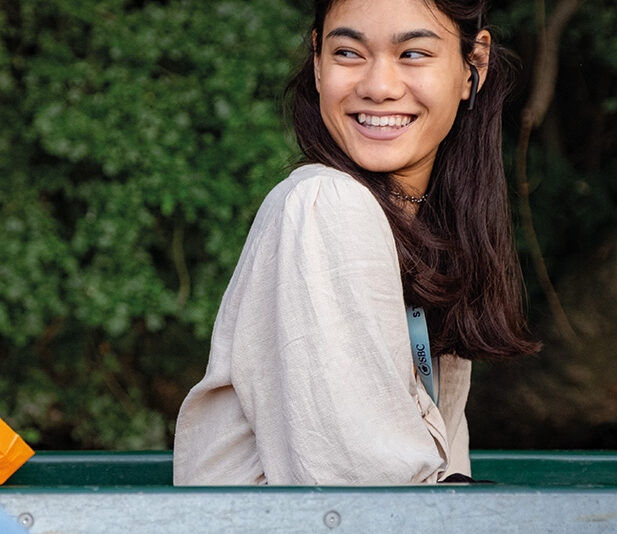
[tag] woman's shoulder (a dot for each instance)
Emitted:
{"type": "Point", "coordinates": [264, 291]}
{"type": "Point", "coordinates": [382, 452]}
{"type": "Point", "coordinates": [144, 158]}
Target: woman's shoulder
{"type": "Point", "coordinates": [316, 200]}
{"type": "Point", "coordinates": [316, 187]}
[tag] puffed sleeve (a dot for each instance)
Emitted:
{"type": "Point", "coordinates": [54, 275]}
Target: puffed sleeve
{"type": "Point", "coordinates": [320, 355]}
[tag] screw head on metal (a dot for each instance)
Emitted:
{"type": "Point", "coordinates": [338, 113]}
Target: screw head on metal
{"type": "Point", "coordinates": [25, 520]}
{"type": "Point", "coordinates": [332, 519]}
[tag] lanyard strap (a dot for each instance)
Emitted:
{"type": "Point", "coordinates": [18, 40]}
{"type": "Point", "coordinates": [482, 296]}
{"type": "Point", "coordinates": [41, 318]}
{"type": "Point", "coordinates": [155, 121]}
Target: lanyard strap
{"type": "Point", "coordinates": [421, 348]}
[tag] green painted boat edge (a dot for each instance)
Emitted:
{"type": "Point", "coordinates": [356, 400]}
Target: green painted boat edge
{"type": "Point", "coordinates": [98, 469]}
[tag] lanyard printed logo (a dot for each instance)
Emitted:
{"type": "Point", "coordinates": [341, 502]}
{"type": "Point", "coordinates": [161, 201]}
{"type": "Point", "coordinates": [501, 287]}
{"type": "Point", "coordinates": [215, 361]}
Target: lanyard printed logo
{"type": "Point", "coordinates": [421, 348]}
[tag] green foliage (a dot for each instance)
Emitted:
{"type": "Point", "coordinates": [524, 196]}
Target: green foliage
{"type": "Point", "coordinates": [137, 143]}
{"type": "Point", "coordinates": [137, 140]}
{"type": "Point", "coordinates": [572, 163]}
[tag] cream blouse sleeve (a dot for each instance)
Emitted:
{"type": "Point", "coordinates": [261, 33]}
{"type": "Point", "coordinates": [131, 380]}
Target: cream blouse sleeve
{"type": "Point", "coordinates": [320, 355]}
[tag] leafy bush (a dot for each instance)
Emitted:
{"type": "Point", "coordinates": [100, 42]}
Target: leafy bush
{"type": "Point", "coordinates": [137, 141]}
{"type": "Point", "coordinates": [138, 138]}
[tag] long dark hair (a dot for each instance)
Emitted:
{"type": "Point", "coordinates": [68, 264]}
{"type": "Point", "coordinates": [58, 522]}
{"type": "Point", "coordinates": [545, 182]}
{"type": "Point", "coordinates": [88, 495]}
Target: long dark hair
{"type": "Point", "coordinates": [456, 255]}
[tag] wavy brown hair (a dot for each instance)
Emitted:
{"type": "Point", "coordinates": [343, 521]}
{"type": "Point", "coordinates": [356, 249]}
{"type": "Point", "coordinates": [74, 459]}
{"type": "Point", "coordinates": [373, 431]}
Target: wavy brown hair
{"type": "Point", "coordinates": [456, 255]}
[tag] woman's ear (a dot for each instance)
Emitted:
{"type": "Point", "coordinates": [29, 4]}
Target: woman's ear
{"type": "Point", "coordinates": [316, 63]}
{"type": "Point", "coordinates": [479, 58]}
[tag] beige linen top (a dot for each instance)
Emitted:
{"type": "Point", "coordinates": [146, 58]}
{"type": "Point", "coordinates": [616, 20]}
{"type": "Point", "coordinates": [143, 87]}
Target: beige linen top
{"type": "Point", "coordinates": [310, 378]}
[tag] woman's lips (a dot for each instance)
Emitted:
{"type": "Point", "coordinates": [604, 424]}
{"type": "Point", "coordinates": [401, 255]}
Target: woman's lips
{"type": "Point", "coordinates": [382, 127]}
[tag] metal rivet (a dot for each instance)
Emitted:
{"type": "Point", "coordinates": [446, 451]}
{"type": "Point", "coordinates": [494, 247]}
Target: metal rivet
{"type": "Point", "coordinates": [25, 520]}
{"type": "Point", "coordinates": [332, 519]}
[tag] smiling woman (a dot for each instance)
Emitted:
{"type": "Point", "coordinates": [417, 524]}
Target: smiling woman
{"type": "Point", "coordinates": [390, 242]}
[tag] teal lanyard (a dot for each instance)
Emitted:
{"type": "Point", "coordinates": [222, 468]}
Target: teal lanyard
{"type": "Point", "coordinates": [421, 348]}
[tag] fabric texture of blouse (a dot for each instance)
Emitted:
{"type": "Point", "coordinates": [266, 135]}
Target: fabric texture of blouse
{"type": "Point", "coordinates": [310, 378]}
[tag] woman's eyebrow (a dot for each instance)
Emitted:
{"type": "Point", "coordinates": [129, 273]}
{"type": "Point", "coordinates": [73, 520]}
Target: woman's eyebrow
{"type": "Point", "coordinates": [347, 32]}
{"type": "Point", "coordinates": [414, 34]}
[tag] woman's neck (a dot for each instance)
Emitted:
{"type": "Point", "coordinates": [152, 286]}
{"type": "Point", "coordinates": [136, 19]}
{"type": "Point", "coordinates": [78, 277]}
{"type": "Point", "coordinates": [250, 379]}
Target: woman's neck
{"type": "Point", "coordinates": [414, 181]}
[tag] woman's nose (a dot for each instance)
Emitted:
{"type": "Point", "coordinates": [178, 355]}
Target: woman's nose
{"type": "Point", "coordinates": [380, 81]}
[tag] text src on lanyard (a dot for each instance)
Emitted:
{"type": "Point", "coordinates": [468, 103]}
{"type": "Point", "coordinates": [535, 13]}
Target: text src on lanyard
{"type": "Point", "coordinates": [421, 348]}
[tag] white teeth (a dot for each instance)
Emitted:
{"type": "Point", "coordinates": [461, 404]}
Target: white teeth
{"type": "Point", "coordinates": [390, 121]}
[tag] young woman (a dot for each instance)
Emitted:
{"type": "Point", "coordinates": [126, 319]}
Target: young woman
{"type": "Point", "coordinates": [400, 210]}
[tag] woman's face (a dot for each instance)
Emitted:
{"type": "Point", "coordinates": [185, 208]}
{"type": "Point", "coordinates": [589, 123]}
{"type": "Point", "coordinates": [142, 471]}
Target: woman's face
{"type": "Point", "coordinates": [390, 78]}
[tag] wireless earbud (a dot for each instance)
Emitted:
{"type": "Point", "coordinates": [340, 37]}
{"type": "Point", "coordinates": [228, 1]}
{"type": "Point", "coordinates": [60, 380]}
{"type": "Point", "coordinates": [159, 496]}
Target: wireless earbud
{"type": "Point", "coordinates": [475, 81]}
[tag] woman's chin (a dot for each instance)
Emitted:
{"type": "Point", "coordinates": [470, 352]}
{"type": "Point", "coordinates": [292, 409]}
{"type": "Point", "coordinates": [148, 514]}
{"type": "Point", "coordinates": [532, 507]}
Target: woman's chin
{"type": "Point", "coordinates": [377, 167]}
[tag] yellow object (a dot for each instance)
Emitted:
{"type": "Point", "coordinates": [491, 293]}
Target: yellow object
{"type": "Point", "coordinates": [14, 451]}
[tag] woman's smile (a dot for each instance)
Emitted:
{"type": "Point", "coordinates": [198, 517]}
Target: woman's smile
{"type": "Point", "coordinates": [376, 120]}
{"type": "Point", "coordinates": [380, 126]}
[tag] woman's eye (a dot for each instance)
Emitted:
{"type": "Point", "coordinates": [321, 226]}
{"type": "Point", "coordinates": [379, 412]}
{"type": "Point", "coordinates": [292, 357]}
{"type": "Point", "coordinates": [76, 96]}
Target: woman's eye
{"type": "Point", "coordinates": [413, 54]}
{"type": "Point", "coordinates": [346, 53]}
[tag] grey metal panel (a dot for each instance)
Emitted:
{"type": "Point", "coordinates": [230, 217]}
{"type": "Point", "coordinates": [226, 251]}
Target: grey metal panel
{"type": "Point", "coordinates": [313, 510]}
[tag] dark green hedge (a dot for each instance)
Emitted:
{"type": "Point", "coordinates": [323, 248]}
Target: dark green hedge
{"type": "Point", "coordinates": [136, 143]}
{"type": "Point", "coordinates": [138, 138]}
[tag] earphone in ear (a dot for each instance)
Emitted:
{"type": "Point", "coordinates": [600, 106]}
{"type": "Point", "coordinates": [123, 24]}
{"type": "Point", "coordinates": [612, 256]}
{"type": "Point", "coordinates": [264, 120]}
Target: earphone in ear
{"type": "Point", "coordinates": [475, 81]}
